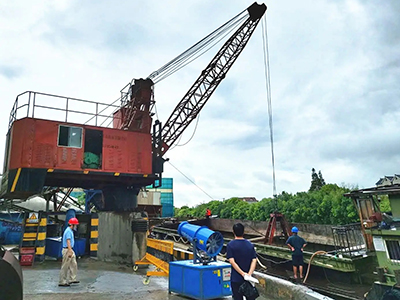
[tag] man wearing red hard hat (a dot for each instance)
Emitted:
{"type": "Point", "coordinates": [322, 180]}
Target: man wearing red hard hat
{"type": "Point", "coordinates": [69, 267]}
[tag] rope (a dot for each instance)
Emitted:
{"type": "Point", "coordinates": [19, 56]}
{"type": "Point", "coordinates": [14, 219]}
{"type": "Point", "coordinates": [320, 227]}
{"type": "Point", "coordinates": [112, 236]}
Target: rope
{"type": "Point", "coordinates": [194, 131]}
{"type": "Point", "coordinates": [259, 232]}
{"type": "Point", "coordinates": [187, 56]}
{"type": "Point", "coordinates": [268, 88]}
{"type": "Point", "coordinates": [176, 240]}
{"type": "Point", "coordinates": [191, 181]}
{"type": "Point", "coordinates": [272, 261]}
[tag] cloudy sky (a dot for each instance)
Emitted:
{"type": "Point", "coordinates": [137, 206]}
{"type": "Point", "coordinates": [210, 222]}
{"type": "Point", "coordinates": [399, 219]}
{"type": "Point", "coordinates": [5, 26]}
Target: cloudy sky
{"type": "Point", "coordinates": [335, 83]}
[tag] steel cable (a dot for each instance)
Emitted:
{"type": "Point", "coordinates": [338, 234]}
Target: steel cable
{"type": "Point", "coordinates": [268, 88]}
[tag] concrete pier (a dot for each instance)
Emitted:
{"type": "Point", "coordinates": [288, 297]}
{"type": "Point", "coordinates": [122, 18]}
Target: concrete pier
{"type": "Point", "coordinates": [279, 289]}
{"type": "Point", "coordinates": [115, 237]}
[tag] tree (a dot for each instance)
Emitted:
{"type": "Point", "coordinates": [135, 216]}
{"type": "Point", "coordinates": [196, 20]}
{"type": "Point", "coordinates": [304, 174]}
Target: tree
{"type": "Point", "coordinates": [82, 199]}
{"type": "Point", "coordinates": [325, 205]}
{"type": "Point", "coordinates": [384, 204]}
{"type": "Point", "coordinates": [321, 179]}
{"type": "Point", "coordinates": [317, 181]}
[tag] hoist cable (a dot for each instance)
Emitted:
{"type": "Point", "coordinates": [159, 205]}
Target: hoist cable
{"type": "Point", "coordinates": [179, 62]}
{"type": "Point", "coordinates": [180, 66]}
{"type": "Point", "coordinates": [268, 88]}
{"type": "Point", "coordinates": [194, 132]}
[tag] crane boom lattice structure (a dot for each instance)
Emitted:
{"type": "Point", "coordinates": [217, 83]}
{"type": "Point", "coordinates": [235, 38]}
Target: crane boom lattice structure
{"type": "Point", "coordinates": [197, 96]}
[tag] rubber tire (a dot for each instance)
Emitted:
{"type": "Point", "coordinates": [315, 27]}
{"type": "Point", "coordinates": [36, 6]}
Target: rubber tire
{"type": "Point", "coordinates": [391, 295]}
{"type": "Point", "coordinates": [135, 268]}
{"type": "Point", "coordinates": [146, 280]}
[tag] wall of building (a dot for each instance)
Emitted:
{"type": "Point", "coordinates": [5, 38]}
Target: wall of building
{"type": "Point", "coordinates": [166, 196]}
{"type": "Point", "coordinates": [395, 205]}
{"type": "Point", "coordinates": [149, 198]}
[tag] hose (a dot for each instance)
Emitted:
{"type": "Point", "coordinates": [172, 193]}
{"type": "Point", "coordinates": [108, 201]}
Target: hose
{"type": "Point", "coordinates": [309, 263]}
{"type": "Point", "coordinates": [261, 265]}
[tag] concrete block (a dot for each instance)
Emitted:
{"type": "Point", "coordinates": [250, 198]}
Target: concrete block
{"type": "Point", "coordinates": [115, 237]}
{"type": "Point", "coordinates": [278, 289]}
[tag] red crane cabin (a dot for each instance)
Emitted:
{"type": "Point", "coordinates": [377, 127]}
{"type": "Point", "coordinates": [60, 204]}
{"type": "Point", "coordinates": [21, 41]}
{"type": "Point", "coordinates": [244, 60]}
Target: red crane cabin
{"type": "Point", "coordinates": [43, 152]}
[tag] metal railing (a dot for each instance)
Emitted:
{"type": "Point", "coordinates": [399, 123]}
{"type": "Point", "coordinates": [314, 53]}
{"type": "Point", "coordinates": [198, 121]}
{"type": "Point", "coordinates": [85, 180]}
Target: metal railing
{"type": "Point", "coordinates": [59, 108]}
{"type": "Point", "coordinates": [349, 240]}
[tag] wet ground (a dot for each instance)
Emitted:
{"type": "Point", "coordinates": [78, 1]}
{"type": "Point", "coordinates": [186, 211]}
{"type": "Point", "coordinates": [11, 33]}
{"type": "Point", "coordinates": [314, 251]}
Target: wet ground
{"type": "Point", "coordinates": [98, 281]}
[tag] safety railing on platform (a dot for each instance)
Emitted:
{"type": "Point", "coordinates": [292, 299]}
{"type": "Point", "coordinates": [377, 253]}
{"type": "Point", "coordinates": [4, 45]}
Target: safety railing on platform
{"type": "Point", "coordinates": [349, 240]}
{"type": "Point", "coordinates": [60, 108]}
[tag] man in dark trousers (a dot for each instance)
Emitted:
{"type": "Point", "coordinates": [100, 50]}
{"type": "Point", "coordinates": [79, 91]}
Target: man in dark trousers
{"type": "Point", "coordinates": [242, 257]}
{"type": "Point", "coordinates": [296, 244]}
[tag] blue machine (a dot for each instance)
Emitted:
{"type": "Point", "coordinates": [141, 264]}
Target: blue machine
{"type": "Point", "coordinates": [203, 277]}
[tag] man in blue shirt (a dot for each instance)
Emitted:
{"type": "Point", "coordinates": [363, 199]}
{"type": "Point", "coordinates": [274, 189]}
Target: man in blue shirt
{"type": "Point", "coordinates": [69, 265]}
{"type": "Point", "coordinates": [242, 257]}
{"type": "Point", "coordinates": [296, 244]}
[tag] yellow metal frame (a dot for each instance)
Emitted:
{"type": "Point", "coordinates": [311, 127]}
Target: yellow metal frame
{"type": "Point", "coordinates": [162, 267]}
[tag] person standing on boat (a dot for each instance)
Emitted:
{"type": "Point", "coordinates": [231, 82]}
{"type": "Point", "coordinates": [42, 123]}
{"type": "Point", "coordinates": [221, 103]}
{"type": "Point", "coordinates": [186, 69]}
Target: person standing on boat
{"type": "Point", "coordinates": [69, 267]}
{"type": "Point", "coordinates": [296, 244]}
{"type": "Point", "coordinates": [208, 213]}
{"type": "Point", "coordinates": [242, 256]}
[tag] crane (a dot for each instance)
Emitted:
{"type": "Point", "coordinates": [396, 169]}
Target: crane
{"type": "Point", "coordinates": [141, 95]}
{"type": "Point", "coordinates": [127, 157]}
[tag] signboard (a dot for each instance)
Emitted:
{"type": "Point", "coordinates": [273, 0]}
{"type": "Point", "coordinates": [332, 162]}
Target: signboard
{"type": "Point", "coordinates": [33, 218]}
{"type": "Point", "coordinates": [379, 244]}
{"type": "Point", "coordinates": [226, 274]}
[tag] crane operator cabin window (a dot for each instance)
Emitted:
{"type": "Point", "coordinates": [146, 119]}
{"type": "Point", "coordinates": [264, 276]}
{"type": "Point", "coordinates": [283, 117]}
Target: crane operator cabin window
{"type": "Point", "coordinates": [70, 136]}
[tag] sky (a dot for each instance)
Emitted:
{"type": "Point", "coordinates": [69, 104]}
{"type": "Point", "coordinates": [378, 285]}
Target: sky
{"type": "Point", "coordinates": [334, 74]}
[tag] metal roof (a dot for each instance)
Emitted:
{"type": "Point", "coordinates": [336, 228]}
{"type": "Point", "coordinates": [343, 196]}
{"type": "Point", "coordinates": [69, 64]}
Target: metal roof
{"type": "Point", "coordinates": [379, 190]}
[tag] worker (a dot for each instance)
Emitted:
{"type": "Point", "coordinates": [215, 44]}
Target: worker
{"type": "Point", "coordinates": [208, 213]}
{"type": "Point", "coordinates": [242, 256]}
{"type": "Point", "coordinates": [69, 267]}
{"type": "Point", "coordinates": [296, 245]}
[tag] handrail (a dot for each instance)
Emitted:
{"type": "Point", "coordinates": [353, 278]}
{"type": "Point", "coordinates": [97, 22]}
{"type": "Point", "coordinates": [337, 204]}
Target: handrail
{"type": "Point", "coordinates": [27, 103]}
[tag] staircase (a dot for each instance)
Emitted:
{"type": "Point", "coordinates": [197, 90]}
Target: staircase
{"type": "Point", "coordinates": [33, 240]}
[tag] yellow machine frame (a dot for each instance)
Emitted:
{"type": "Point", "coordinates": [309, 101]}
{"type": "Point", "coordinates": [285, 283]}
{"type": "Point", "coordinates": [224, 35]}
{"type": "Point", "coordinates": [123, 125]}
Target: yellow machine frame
{"type": "Point", "coordinates": [162, 267]}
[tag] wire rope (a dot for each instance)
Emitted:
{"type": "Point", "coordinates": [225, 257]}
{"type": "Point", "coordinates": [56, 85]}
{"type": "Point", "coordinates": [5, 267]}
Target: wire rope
{"type": "Point", "coordinates": [179, 61]}
{"type": "Point", "coordinates": [191, 181]}
{"type": "Point", "coordinates": [268, 88]}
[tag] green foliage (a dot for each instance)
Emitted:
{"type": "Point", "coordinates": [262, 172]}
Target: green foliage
{"type": "Point", "coordinates": [385, 204]}
{"type": "Point", "coordinates": [326, 205]}
{"type": "Point", "coordinates": [317, 181]}
{"type": "Point", "coordinates": [82, 199]}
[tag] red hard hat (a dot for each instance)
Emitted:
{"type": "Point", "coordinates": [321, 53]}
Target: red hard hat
{"type": "Point", "coordinates": [73, 221]}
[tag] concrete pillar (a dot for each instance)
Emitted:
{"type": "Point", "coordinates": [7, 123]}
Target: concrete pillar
{"type": "Point", "coordinates": [115, 237]}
